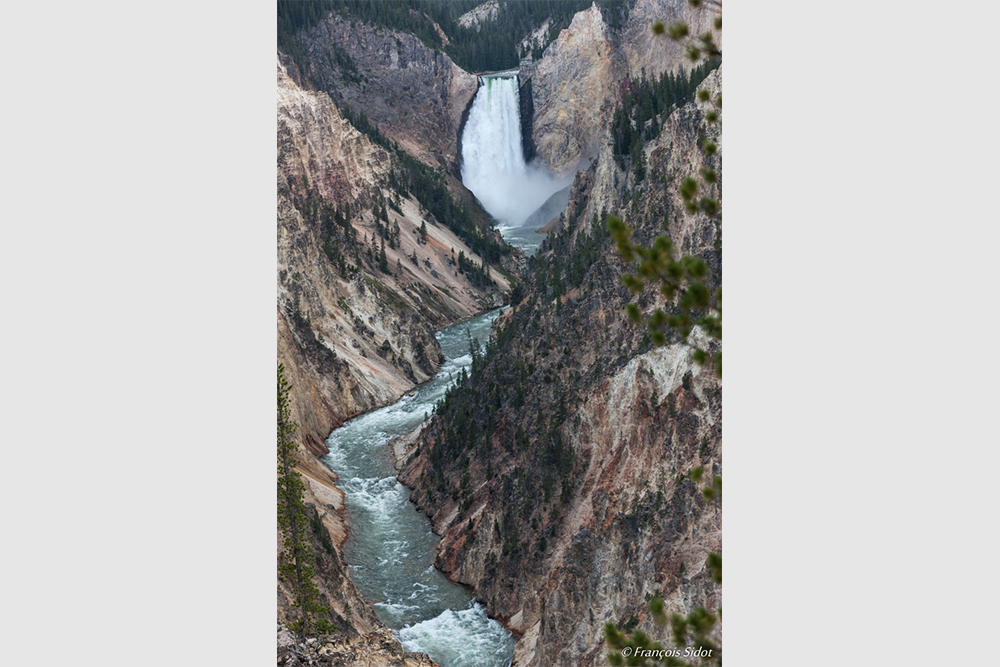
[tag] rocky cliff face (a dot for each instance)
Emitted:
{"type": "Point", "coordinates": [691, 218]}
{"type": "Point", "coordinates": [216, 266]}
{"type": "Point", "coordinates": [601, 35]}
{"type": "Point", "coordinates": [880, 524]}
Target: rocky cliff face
{"type": "Point", "coordinates": [526, 105]}
{"type": "Point", "coordinates": [353, 335]}
{"type": "Point", "coordinates": [656, 54]}
{"type": "Point", "coordinates": [578, 73]}
{"type": "Point", "coordinates": [413, 94]}
{"type": "Point", "coordinates": [558, 475]}
{"type": "Point", "coordinates": [577, 81]}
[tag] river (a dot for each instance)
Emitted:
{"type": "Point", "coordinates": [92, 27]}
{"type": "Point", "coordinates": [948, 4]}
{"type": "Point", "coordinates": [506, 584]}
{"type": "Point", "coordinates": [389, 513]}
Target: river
{"type": "Point", "coordinates": [391, 548]}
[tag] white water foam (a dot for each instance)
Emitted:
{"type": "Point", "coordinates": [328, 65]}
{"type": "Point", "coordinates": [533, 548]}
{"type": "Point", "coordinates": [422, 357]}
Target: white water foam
{"type": "Point", "coordinates": [493, 166]}
{"type": "Point", "coordinates": [381, 497]}
{"type": "Point", "coordinates": [391, 549]}
{"type": "Point", "coordinates": [466, 638]}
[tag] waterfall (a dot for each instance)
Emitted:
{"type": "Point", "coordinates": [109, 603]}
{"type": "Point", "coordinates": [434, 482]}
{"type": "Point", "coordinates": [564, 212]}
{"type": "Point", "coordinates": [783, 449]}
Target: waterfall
{"type": "Point", "coordinates": [493, 166]}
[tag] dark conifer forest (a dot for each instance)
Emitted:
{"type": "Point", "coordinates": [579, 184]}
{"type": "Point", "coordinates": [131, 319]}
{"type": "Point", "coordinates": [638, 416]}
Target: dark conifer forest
{"type": "Point", "coordinates": [495, 45]}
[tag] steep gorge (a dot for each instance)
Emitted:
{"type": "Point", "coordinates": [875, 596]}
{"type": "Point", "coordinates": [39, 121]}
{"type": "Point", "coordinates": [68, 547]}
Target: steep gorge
{"type": "Point", "coordinates": [355, 331]}
{"type": "Point", "coordinates": [558, 475]}
{"type": "Point", "coordinates": [365, 335]}
{"type": "Point", "coordinates": [567, 502]}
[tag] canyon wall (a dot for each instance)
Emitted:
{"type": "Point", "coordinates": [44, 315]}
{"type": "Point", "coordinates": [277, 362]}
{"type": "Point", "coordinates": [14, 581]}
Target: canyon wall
{"type": "Point", "coordinates": [558, 476]}
{"type": "Point", "coordinates": [356, 339]}
{"type": "Point", "coordinates": [657, 54]}
{"type": "Point", "coordinates": [572, 87]}
{"type": "Point", "coordinates": [578, 80]}
{"type": "Point", "coordinates": [414, 94]}
{"type": "Point", "coordinates": [355, 331]}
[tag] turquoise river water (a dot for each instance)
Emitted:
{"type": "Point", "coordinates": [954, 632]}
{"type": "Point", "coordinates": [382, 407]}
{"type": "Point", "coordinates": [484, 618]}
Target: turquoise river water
{"type": "Point", "coordinates": [391, 547]}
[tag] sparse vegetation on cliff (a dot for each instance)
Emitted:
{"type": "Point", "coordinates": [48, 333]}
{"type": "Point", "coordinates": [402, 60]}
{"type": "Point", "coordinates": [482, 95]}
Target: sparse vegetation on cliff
{"type": "Point", "coordinates": [684, 283]}
{"type": "Point", "coordinates": [427, 185]}
{"type": "Point", "coordinates": [297, 563]}
{"type": "Point", "coordinates": [638, 117]}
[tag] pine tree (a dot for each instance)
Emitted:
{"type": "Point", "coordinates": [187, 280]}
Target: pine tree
{"type": "Point", "coordinates": [383, 261]}
{"type": "Point", "coordinates": [297, 562]}
{"type": "Point", "coordinates": [394, 237]}
{"type": "Point", "coordinates": [638, 162]}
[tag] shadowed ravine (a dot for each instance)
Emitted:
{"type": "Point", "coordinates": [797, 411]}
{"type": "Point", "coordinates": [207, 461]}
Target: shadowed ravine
{"type": "Point", "coordinates": [391, 548]}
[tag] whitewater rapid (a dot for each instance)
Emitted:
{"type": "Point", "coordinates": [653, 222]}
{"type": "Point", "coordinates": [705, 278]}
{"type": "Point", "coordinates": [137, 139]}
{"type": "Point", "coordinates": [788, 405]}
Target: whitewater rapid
{"type": "Point", "coordinates": [493, 165]}
{"type": "Point", "coordinates": [391, 548]}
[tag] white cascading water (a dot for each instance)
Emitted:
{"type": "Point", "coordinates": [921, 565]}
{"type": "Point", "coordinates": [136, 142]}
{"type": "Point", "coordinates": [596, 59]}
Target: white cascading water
{"type": "Point", "coordinates": [493, 166]}
{"type": "Point", "coordinates": [391, 549]}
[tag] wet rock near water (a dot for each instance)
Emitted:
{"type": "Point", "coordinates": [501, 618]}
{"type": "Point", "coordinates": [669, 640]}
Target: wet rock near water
{"type": "Point", "coordinates": [378, 648]}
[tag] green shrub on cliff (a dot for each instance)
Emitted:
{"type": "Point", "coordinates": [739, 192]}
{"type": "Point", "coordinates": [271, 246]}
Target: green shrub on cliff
{"type": "Point", "coordinates": [296, 566]}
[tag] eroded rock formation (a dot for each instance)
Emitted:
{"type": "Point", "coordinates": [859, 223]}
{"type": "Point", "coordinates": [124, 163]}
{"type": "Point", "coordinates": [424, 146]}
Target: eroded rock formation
{"type": "Point", "coordinates": [572, 88]}
{"type": "Point", "coordinates": [476, 16]}
{"type": "Point", "coordinates": [577, 81]}
{"type": "Point", "coordinates": [352, 335]}
{"type": "Point", "coordinates": [654, 54]}
{"type": "Point", "coordinates": [560, 485]}
{"type": "Point", "coordinates": [375, 649]}
{"type": "Point", "coordinates": [414, 94]}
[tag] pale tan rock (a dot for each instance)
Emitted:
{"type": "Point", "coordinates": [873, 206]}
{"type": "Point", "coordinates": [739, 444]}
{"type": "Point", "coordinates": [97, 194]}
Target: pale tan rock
{"type": "Point", "coordinates": [475, 17]}
{"type": "Point", "coordinates": [577, 82]}
{"type": "Point", "coordinates": [572, 88]}
{"type": "Point", "coordinates": [655, 54]}
{"type": "Point", "coordinates": [414, 94]}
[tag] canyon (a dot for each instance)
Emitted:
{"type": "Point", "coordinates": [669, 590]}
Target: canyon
{"type": "Point", "coordinates": [568, 504]}
{"type": "Point", "coordinates": [352, 340]}
{"type": "Point", "coordinates": [578, 504]}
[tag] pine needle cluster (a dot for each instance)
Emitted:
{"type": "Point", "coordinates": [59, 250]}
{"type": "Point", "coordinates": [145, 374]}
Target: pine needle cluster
{"type": "Point", "coordinates": [681, 279]}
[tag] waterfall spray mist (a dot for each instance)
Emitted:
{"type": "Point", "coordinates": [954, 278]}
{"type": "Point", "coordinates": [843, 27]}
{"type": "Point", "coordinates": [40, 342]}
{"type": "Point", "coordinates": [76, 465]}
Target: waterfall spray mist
{"type": "Point", "coordinates": [493, 166]}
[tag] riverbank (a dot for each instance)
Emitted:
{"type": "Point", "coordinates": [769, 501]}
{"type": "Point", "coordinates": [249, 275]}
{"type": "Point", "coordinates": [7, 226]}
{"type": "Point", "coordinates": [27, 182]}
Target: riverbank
{"type": "Point", "coordinates": [391, 547]}
{"type": "Point", "coordinates": [376, 649]}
